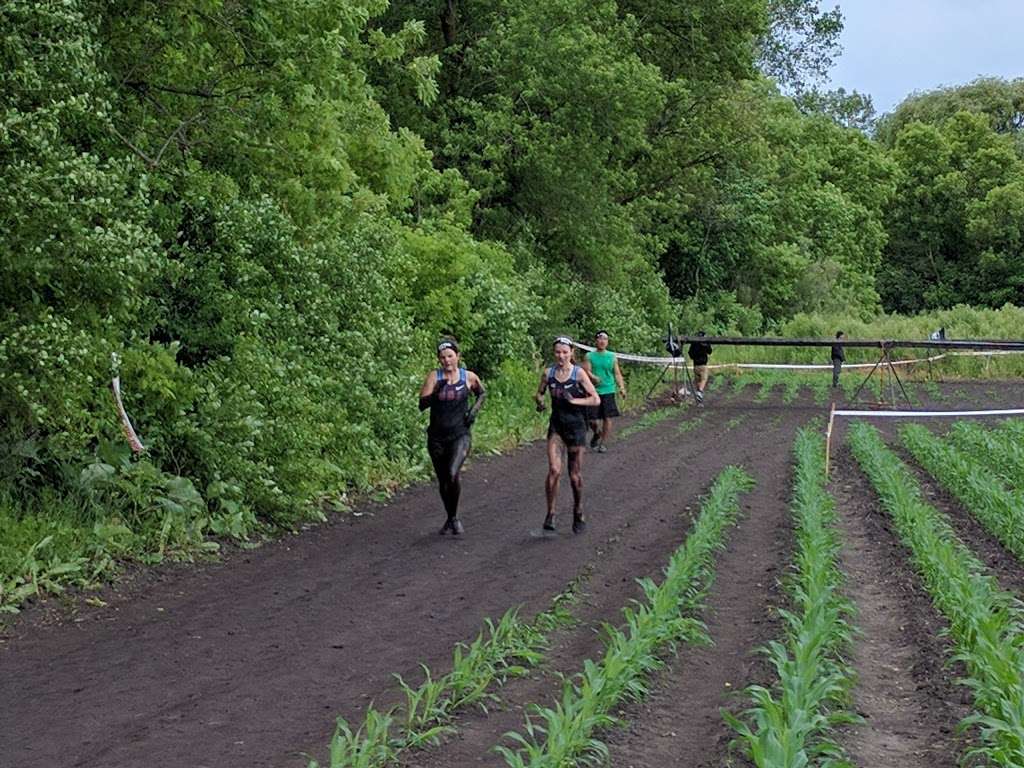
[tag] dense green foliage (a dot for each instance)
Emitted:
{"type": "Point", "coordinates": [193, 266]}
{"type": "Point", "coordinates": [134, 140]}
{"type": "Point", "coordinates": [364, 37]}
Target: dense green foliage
{"type": "Point", "coordinates": [262, 216]}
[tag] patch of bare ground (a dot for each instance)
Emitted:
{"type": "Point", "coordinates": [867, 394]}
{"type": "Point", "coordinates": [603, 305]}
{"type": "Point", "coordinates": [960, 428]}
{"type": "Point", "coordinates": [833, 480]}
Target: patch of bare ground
{"type": "Point", "coordinates": [905, 688]}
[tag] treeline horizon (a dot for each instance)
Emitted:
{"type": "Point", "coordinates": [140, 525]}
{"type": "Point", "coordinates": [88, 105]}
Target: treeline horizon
{"type": "Point", "coordinates": [262, 216]}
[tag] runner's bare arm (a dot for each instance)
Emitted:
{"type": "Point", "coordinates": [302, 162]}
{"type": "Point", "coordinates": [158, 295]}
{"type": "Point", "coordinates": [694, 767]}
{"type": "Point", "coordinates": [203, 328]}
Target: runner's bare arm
{"type": "Point", "coordinates": [538, 396]}
{"type": "Point", "coordinates": [477, 387]}
{"type": "Point", "coordinates": [589, 369]}
{"type": "Point", "coordinates": [427, 390]}
{"type": "Point", "coordinates": [592, 397]}
{"type": "Point", "coordinates": [618, 378]}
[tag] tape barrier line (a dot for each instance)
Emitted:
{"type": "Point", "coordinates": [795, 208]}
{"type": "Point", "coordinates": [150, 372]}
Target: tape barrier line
{"type": "Point", "coordinates": [894, 414]}
{"type": "Point", "coordinates": [679, 362]}
{"type": "Point", "coordinates": [915, 414]}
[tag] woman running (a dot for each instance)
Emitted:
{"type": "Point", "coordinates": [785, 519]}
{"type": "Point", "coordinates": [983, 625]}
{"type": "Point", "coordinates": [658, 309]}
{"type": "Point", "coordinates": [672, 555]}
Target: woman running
{"type": "Point", "coordinates": [572, 393]}
{"type": "Point", "coordinates": [446, 393]}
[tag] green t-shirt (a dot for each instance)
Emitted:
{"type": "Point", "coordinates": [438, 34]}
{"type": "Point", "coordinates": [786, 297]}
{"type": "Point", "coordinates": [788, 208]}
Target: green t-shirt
{"type": "Point", "coordinates": [603, 366]}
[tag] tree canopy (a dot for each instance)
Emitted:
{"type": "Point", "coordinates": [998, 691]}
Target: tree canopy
{"type": "Point", "coordinates": [264, 214]}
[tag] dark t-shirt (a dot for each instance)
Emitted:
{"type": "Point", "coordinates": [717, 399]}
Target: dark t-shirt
{"type": "Point", "coordinates": [837, 353]}
{"type": "Point", "coordinates": [699, 352]}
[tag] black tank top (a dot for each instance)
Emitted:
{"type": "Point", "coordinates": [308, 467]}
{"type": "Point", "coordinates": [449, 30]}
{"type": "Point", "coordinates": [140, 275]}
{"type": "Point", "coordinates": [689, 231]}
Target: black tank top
{"type": "Point", "coordinates": [448, 407]}
{"type": "Point", "coordinates": [561, 409]}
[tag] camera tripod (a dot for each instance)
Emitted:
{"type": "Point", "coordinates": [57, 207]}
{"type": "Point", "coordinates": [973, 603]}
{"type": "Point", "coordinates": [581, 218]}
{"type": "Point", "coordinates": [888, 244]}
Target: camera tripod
{"type": "Point", "coordinates": [676, 395]}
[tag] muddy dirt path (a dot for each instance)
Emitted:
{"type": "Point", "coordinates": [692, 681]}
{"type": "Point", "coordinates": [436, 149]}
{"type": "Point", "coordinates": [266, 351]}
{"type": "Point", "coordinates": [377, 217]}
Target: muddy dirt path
{"type": "Point", "coordinates": [248, 661]}
{"type": "Point", "coordinates": [755, 550]}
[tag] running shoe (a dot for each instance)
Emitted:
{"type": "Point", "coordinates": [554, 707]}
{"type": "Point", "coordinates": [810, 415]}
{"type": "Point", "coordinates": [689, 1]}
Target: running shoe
{"type": "Point", "coordinates": [602, 448]}
{"type": "Point", "coordinates": [456, 527]}
{"type": "Point", "coordinates": [446, 527]}
{"type": "Point", "coordinates": [595, 440]}
{"type": "Point", "coordinates": [700, 396]}
{"type": "Point", "coordinates": [549, 523]}
{"type": "Point", "coordinates": [579, 525]}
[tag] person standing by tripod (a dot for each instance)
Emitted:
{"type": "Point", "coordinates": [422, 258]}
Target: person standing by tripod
{"type": "Point", "coordinates": [838, 358]}
{"type": "Point", "coordinates": [699, 351]}
{"type": "Point", "coordinates": [603, 367]}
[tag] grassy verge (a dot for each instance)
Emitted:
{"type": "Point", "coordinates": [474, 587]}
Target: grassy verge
{"type": "Point", "coordinates": [790, 725]}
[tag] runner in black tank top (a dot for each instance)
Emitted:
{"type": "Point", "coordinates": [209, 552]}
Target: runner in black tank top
{"type": "Point", "coordinates": [446, 393]}
{"type": "Point", "coordinates": [571, 393]}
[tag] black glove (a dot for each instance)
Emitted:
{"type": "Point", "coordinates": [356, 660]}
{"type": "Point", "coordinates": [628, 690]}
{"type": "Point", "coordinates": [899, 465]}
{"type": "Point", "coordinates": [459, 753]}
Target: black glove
{"type": "Point", "coordinates": [469, 418]}
{"type": "Point", "coordinates": [541, 407]}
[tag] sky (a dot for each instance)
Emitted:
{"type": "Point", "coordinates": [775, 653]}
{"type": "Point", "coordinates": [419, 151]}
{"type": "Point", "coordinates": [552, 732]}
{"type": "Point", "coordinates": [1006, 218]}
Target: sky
{"type": "Point", "coordinates": [892, 48]}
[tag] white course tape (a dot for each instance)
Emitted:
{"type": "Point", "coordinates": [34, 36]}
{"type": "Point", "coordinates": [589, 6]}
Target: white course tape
{"type": "Point", "coordinates": [915, 414]}
{"type": "Point", "coordinates": [679, 362]}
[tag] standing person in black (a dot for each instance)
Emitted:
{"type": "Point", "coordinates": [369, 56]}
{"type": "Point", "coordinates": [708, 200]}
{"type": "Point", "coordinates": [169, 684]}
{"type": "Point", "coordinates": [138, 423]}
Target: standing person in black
{"type": "Point", "coordinates": [572, 392]}
{"type": "Point", "coordinates": [699, 351]}
{"type": "Point", "coordinates": [838, 358]}
{"type": "Point", "coordinates": [446, 393]}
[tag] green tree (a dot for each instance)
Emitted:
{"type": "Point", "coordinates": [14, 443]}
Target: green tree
{"type": "Point", "coordinates": [957, 185]}
{"type": "Point", "coordinates": [1000, 101]}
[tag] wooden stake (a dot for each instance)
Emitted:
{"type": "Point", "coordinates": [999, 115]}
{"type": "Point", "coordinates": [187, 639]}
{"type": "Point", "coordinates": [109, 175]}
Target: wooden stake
{"type": "Point", "coordinates": [828, 437]}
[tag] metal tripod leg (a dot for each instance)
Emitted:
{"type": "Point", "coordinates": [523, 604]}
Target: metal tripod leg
{"type": "Point", "coordinates": [895, 375]}
{"type": "Point", "coordinates": [870, 374]}
{"type": "Point", "coordinates": [656, 383]}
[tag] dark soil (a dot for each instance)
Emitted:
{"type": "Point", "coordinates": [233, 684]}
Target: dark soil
{"type": "Point", "coordinates": [908, 700]}
{"type": "Point", "coordinates": [249, 660]}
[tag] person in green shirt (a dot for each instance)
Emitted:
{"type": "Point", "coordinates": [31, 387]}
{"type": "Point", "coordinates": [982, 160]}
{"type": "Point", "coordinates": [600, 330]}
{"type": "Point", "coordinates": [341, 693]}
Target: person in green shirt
{"type": "Point", "coordinates": [603, 367]}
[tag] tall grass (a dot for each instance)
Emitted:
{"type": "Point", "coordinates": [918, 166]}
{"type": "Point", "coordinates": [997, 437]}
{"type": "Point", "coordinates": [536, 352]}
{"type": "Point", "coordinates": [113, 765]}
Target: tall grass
{"type": "Point", "coordinates": [960, 322]}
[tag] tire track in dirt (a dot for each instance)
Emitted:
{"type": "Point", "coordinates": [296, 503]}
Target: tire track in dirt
{"type": "Point", "coordinates": [906, 695]}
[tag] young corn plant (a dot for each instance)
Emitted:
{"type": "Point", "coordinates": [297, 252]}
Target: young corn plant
{"type": "Point", "coordinates": [986, 623]}
{"type": "Point", "coordinates": [790, 725]}
{"type": "Point", "coordinates": [500, 651]}
{"type": "Point", "coordinates": [999, 510]}
{"type": "Point", "coordinates": [999, 450]}
{"type": "Point", "coordinates": [564, 734]}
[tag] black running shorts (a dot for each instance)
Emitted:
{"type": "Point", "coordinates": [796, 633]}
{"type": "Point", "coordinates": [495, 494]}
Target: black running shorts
{"type": "Point", "coordinates": [573, 432]}
{"type": "Point", "coordinates": [608, 409]}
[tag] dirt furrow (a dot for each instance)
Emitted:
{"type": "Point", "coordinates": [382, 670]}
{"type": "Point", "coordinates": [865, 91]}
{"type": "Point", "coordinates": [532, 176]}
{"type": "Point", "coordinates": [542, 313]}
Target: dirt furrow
{"type": "Point", "coordinates": [905, 694]}
{"type": "Point", "coordinates": [679, 723]}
